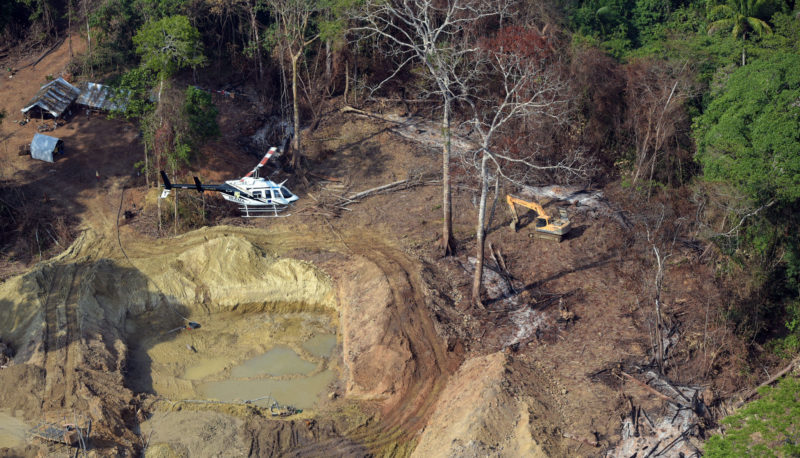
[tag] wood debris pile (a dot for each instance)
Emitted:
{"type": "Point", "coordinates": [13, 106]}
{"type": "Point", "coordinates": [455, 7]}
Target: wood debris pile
{"type": "Point", "coordinates": [335, 197]}
{"type": "Point", "coordinates": [678, 431]}
{"type": "Point", "coordinates": [583, 199]}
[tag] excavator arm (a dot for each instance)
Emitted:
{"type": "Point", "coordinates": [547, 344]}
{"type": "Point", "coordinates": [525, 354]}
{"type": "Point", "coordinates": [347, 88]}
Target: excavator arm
{"type": "Point", "coordinates": [544, 226]}
{"type": "Point", "coordinates": [540, 213]}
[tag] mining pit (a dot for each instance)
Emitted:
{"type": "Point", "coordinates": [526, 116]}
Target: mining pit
{"type": "Point", "coordinates": [220, 321]}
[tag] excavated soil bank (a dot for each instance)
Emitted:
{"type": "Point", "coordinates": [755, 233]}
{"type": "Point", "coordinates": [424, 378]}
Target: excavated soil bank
{"type": "Point", "coordinates": [91, 330]}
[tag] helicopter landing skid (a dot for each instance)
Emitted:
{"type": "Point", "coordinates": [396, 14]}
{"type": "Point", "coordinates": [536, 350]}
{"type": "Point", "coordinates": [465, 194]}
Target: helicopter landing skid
{"type": "Point", "coordinates": [263, 211]}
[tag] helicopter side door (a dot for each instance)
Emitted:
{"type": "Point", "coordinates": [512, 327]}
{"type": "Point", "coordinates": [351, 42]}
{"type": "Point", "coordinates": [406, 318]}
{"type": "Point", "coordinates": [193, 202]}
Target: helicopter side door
{"type": "Point", "coordinates": [260, 195]}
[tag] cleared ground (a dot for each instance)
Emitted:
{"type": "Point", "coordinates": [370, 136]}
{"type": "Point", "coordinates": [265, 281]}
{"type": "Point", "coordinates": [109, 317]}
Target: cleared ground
{"type": "Point", "coordinates": [414, 368]}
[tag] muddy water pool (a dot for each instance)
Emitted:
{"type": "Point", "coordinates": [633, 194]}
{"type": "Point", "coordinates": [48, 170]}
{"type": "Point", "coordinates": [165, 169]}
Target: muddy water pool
{"type": "Point", "coordinates": [301, 392]}
{"type": "Point", "coordinates": [290, 357]}
{"type": "Point", "coordinates": [276, 362]}
{"type": "Point", "coordinates": [320, 345]}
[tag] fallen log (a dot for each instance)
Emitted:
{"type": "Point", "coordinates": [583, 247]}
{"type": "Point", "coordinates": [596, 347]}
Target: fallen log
{"type": "Point", "coordinates": [419, 130]}
{"type": "Point", "coordinates": [650, 388]}
{"type": "Point", "coordinates": [501, 268]}
{"type": "Point", "coordinates": [770, 381]}
{"type": "Point", "coordinates": [362, 194]}
{"type": "Point", "coordinates": [371, 191]}
{"type": "Point", "coordinates": [349, 109]}
{"type": "Point", "coordinates": [52, 48]}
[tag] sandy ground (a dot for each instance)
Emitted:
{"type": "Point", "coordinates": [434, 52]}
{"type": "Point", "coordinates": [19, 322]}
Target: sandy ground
{"type": "Point", "coordinates": [187, 434]}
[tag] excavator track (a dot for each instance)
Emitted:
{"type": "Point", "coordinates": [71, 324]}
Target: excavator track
{"type": "Point", "coordinates": [546, 236]}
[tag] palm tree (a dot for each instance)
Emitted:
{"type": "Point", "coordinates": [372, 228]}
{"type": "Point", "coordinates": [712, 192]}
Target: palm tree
{"type": "Point", "coordinates": [743, 17]}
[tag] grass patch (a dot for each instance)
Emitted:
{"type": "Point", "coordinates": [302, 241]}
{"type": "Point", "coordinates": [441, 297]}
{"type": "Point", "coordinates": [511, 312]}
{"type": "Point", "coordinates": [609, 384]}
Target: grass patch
{"type": "Point", "coordinates": [768, 427]}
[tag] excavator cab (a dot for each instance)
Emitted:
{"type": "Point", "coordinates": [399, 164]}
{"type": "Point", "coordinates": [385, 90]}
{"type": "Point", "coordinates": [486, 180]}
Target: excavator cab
{"type": "Point", "coordinates": [544, 226]}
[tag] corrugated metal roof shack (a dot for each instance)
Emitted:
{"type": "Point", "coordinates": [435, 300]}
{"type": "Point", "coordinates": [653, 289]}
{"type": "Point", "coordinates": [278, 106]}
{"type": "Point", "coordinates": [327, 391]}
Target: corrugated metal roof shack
{"type": "Point", "coordinates": [53, 98]}
{"type": "Point", "coordinates": [101, 97]}
{"type": "Point", "coordinates": [43, 147]}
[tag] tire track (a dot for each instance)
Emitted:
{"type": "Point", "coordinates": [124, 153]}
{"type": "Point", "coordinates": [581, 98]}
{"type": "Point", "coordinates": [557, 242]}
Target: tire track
{"type": "Point", "coordinates": [414, 407]}
{"type": "Point", "coordinates": [60, 323]}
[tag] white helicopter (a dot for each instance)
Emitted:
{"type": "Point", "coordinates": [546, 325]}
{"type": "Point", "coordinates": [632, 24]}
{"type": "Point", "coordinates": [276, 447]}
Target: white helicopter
{"type": "Point", "coordinates": [257, 197]}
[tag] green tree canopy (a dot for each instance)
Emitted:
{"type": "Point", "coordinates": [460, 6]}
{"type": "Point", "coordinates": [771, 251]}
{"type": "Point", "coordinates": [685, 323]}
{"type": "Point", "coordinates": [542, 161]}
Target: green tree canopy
{"type": "Point", "coordinates": [743, 17]}
{"type": "Point", "coordinates": [202, 115]}
{"type": "Point", "coordinates": [168, 45]}
{"type": "Point", "coordinates": [749, 135]}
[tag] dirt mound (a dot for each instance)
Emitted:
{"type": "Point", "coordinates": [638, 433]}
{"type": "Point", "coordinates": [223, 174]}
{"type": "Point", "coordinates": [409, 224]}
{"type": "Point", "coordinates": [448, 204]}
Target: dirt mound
{"type": "Point", "coordinates": [67, 317]}
{"type": "Point", "coordinates": [481, 413]}
{"type": "Point", "coordinates": [376, 359]}
{"type": "Point", "coordinates": [228, 273]}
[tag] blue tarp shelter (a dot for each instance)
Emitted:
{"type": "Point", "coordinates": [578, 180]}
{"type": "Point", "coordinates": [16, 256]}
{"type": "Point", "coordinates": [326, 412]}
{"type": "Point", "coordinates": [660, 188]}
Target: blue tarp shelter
{"type": "Point", "coordinates": [43, 147]}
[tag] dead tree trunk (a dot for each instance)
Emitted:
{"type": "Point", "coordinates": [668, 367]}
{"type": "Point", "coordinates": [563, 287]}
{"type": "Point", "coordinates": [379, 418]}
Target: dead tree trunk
{"type": "Point", "coordinates": [69, 28]}
{"type": "Point", "coordinates": [158, 206]}
{"type": "Point", "coordinates": [296, 106]}
{"type": "Point", "coordinates": [447, 243]}
{"type": "Point", "coordinates": [481, 234]}
{"type": "Point", "coordinates": [657, 298]}
{"type": "Point", "coordinates": [256, 39]}
{"type": "Point", "coordinates": [346, 81]}
{"type": "Point", "coordinates": [88, 39]}
{"type": "Point", "coordinates": [328, 63]}
{"type": "Point", "coordinates": [494, 203]}
{"type": "Point", "coordinates": [175, 206]}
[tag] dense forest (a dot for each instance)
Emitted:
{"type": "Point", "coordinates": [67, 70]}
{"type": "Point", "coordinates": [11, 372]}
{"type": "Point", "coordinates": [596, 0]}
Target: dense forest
{"type": "Point", "coordinates": [695, 103]}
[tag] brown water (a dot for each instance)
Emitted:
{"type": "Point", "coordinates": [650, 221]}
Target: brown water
{"type": "Point", "coordinates": [301, 392]}
{"type": "Point", "coordinates": [276, 362]}
{"type": "Point", "coordinates": [280, 374]}
{"type": "Point", "coordinates": [236, 356]}
{"type": "Point", "coordinates": [206, 367]}
{"type": "Point", "coordinates": [12, 431]}
{"type": "Point", "coordinates": [321, 345]}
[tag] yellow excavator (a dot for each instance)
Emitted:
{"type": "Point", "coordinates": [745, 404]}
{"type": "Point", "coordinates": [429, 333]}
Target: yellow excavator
{"type": "Point", "coordinates": [545, 227]}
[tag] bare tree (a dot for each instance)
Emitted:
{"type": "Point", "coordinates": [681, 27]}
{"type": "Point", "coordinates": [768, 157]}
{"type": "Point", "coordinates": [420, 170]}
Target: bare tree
{"type": "Point", "coordinates": [520, 62]}
{"type": "Point", "coordinates": [661, 232]}
{"type": "Point", "coordinates": [252, 7]}
{"type": "Point", "coordinates": [294, 34]}
{"type": "Point", "coordinates": [433, 35]}
{"type": "Point", "coordinates": [656, 94]}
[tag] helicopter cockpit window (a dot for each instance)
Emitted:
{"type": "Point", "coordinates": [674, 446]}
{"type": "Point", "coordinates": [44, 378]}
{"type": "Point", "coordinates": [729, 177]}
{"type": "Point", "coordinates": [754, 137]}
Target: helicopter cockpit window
{"type": "Point", "coordinates": [285, 192]}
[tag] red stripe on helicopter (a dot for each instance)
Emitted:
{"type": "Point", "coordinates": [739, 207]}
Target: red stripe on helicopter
{"type": "Point", "coordinates": [263, 161]}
